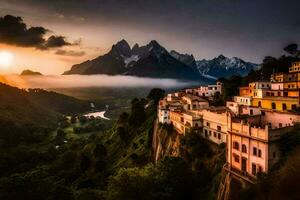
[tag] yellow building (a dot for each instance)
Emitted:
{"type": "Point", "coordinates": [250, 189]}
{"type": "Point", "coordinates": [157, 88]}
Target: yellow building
{"type": "Point", "coordinates": [245, 91]}
{"type": "Point", "coordinates": [277, 77]}
{"type": "Point", "coordinates": [276, 103]}
{"type": "Point", "coordinates": [281, 94]}
{"type": "Point", "coordinates": [184, 122]}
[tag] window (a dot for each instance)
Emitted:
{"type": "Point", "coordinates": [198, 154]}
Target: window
{"type": "Point", "coordinates": [253, 169]}
{"type": "Point", "coordinates": [219, 136]}
{"type": "Point", "coordinates": [259, 104]}
{"type": "Point", "coordinates": [283, 106]}
{"type": "Point", "coordinates": [215, 134]}
{"type": "Point", "coordinates": [207, 124]}
{"type": "Point", "coordinates": [205, 133]}
{"type": "Point", "coordinates": [259, 153]}
{"type": "Point", "coordinates": [278, 94]}
{"type": "Point", "coordinates": [280, 125]}
{"type": "Point", "coordinates": [219, 128]}
{"type": "Point", "coordinates": [209, 133]}
{"type": "Point", "coordinates": [236, 158]}
{"type": "Point", "coordinates": [294, 106]}
{"type": "Point", "coordinates": [254, 151]}
{"type": "Point", "coordinates": [251, 112]}
{"type": "Point", "coordinates": [273, 105]}
{"type": "Point", "coordinates": [244, 148]}
{"type": "Point", "coordinates": [181, 119]}
{"type": "Point", "coordinates": [236, 145]}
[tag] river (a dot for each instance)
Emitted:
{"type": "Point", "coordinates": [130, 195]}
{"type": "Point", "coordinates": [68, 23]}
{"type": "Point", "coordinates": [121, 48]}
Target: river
{"type": "Point", "coordinates": [97, 114]}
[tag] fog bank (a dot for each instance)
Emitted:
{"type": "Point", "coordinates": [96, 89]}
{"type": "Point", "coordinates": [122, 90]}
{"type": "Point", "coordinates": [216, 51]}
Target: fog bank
{"type": "Point", "coordinates": [71, 81]}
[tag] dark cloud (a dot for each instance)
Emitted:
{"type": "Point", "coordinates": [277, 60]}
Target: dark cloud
{"type": "Point", "coordinates": [69, 53]}
{"type": "Point", "coordinates": [56, 41]}
{"type": "Point", "coordinates": [14, 31]}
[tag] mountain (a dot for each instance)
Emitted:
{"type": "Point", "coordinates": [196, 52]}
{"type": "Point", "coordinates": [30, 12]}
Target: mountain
{"type": "Point", "coordinates": [157, 62]}
{"type": "Point", "coordinates": [187, 59]}
{"type": "Point", "coordinates": [151, 60]}
{"type": "Point", "coordinates": [222, 66]}
{"type": "Point", "coordinates": [29, 72]}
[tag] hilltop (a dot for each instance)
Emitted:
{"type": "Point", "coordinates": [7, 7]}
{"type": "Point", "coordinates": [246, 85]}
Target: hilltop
{"type": "Point", "coordinates": [25, 112]}
{"type": "Point", "coordinates": [28, 72]}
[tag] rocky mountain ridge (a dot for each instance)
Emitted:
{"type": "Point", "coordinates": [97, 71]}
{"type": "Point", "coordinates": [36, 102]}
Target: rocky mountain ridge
{"type": "Point", "coordinates": [153, 60]}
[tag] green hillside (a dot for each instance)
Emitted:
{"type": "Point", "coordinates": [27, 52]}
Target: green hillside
{"type": "Point", "coordinates": [27, 115]}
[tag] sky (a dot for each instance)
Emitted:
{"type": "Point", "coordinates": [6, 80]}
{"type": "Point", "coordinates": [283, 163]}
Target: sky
{"type": "Point", "coordinates": [68, 32]}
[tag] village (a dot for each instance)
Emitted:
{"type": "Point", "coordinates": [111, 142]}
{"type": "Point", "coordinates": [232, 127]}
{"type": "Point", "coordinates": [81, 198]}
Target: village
{"type": "Point", "coordinates": [251, 125]}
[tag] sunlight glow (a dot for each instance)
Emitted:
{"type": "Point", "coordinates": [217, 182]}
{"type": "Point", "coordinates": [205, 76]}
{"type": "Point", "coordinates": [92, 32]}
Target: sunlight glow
{"type": "Point", "coordinates": [6, 59]}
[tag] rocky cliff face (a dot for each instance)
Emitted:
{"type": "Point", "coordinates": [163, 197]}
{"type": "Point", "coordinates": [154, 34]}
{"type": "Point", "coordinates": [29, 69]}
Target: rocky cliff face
{"type": "Point", "coordinates": [164, 143]}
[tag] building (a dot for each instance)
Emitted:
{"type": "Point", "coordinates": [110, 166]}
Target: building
{"type": "Point", "coordinates": [184, 122]}
{"type": "Point", "coordinates": [238, 109]}
{"type": "Point", "coordinates": [215, 122]}
{"type": "Point", "coordinates": [252, 149]}
{"type": "Point", "coordinates": [164, 115]}
{"type": "Point", "coordinates": [281, 94]}
{"type": "Point", "coordinates": [276, 103]}
{"type": "Point", "coordinates": [243, 100]}
{"type": "Point", "coordinates": [206, 91]}
{"type": "Point", "coordinates": [192, 102]}
{"type": "Point", "coordinates": [210, 90]}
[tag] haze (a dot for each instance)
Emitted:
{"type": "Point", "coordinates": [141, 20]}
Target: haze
{"type": "Point", "coordinates": [73, 81]}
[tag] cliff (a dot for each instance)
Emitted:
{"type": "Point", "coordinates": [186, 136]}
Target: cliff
{"type": "Point", "coordinates": [165, 142]}
{"type": "Point", "coordinates": [203, 157]}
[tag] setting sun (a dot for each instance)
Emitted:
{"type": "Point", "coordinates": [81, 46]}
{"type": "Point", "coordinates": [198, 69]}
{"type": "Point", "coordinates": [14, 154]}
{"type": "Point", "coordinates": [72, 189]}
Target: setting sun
{"type": "Point", "coordinates": [6, 58]}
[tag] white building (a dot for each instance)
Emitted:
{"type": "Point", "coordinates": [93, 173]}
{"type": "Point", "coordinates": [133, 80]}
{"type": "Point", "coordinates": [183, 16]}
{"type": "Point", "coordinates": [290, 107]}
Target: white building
{"type": "Point", "coordinates": [238, 109]}
{"type": "Point", "coordinates": [192, 102]}
{"type": "Point", "coordinates": [210, 90]}
{"type": "Point", "coordinates": [164, 115]}
{"type": "Point", "coordinates": [243, 100]}
{"type": "Point", "coordinates": [215, 124]}
{"type": "Point", "coordinates": [276, 86]}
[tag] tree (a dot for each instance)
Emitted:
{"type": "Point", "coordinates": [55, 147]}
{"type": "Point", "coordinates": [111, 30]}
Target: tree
{"type": "Point", "coordinates": [218, 100]}
{"type": "Point", "coordinates": [123, 133]}
{"type": "Point", "coordinates": [131, 183]}
{"type": "Point", "coordinates": [292, 49]}
{"type": "Point", "coordinates": [137, 116]}
{"type": "Point", "coordinates": [100, 151]}
{"type": "Point", "coordinates": [156, 94]}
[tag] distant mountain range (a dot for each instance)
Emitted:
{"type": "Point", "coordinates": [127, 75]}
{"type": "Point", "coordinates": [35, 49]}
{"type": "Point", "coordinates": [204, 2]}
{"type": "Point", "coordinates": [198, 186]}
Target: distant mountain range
{"type": "Point", "coordinates": [153, 60]}
{"type": "Point", "coordinates": [222, 66]}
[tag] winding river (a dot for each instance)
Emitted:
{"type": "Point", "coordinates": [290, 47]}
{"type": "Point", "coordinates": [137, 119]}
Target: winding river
{"type": "Point", "coordinates": [97, 114]}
